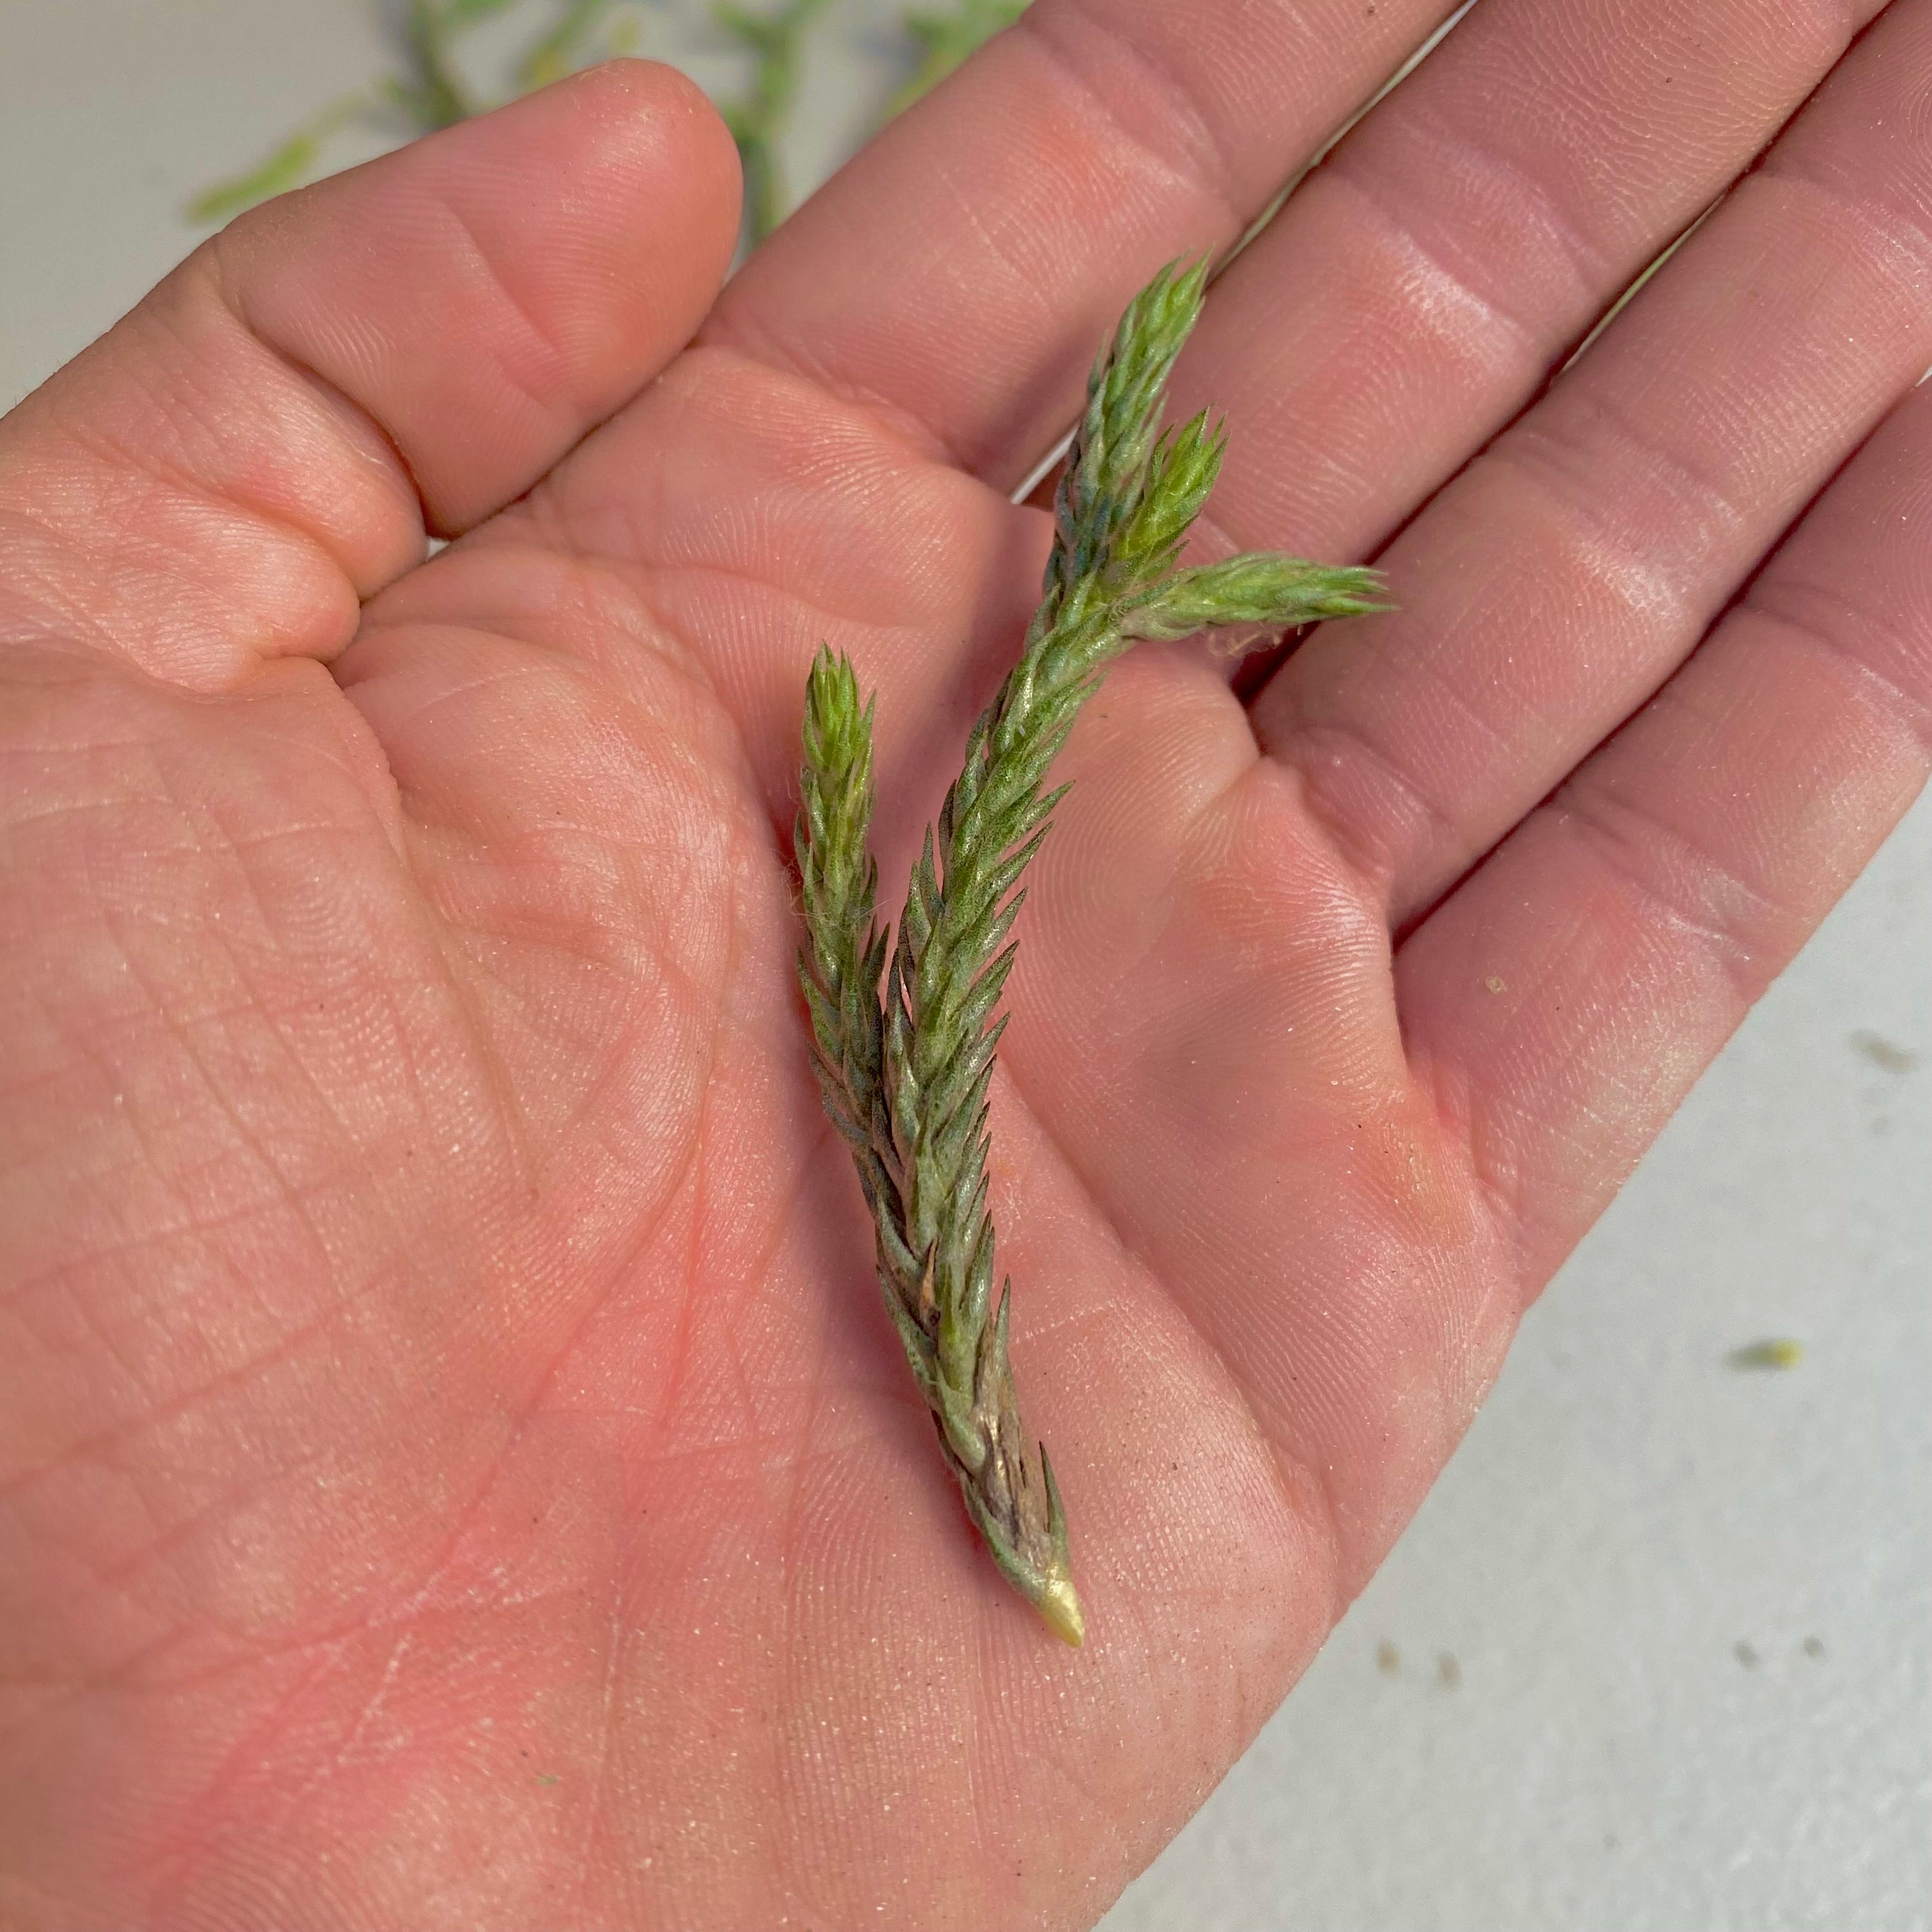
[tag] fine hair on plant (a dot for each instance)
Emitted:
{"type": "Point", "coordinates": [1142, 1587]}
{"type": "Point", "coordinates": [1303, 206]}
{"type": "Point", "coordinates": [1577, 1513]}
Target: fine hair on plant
{"type": "Point", "coordinates": [906, 1070]}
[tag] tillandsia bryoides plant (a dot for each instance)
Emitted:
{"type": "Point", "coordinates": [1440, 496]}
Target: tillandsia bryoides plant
{"type": "Point", "coordinates": [431, 92]}
{"type": "Point", "coordinates": [906, 1074]}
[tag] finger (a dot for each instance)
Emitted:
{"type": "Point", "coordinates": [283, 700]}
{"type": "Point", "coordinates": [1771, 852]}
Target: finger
{"type": "Point", "coordinates": [1551, 588]}
{"type": "Point", "coordinates": [1419, 287]}
{"type": "Point", "coordinates": [958, 274]}
{"type": "Point", "coordinates": [261, 442]}
{"type": "Point", "coordinates": [1566, 996]}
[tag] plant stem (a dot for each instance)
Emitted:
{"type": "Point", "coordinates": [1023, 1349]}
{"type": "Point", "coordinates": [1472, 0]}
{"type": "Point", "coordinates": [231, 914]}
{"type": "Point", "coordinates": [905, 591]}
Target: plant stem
{"type": "Point", "coordinates": [907, 1082]}
{"type": "Point", "coordinates": [433, 93]}
{"type": "Point", "coordinates": [758, 119]}
{"type": "Point", "coordinates": [944, 40]}
{"type": "Point", "coordinates": [557, 52]}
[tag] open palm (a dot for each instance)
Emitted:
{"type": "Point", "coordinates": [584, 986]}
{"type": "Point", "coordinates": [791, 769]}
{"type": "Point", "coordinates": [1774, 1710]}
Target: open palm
{"type": "Point", "coordinates": [456, 1472]}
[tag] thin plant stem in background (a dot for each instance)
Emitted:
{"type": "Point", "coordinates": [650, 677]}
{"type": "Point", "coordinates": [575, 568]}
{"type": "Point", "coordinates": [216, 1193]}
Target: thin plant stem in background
{"type": "Point", "coordinates": [906, 1076]}
{"type": "Point", "coordinates": [758, 118]}
{"type": "Point", "coordinates": [431, 91]}
{"type": "Point", "coordinates": [574, 41]}
{"type": "Point", "coordinates": [945, 40]}
{"type": "Point", "coordinates": [299, 159]}
{"type": "Point", "coordinates": [427, 94]}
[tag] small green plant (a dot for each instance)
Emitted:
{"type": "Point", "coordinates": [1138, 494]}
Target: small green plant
{"type": "Point", "coordinates": [430, 91]}
{"type": "Point", "coordinates": [905, 1076]}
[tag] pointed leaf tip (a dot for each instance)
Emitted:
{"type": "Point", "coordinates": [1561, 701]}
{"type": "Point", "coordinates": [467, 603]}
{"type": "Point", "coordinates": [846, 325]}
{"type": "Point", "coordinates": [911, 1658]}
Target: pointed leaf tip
{"type": "Point", "coordinates": [1060, 1606]}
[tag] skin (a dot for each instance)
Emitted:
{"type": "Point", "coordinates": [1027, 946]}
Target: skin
{"type": "Point", "coordinates": [454, 1472]}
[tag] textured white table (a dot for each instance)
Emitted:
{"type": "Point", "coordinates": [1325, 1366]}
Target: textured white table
{"type": "Point", "coordinates": [1654, 1656]}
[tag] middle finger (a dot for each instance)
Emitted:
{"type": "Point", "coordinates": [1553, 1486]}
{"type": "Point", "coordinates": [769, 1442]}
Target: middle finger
{"type": "Point", "coordinates": [1419, 287]}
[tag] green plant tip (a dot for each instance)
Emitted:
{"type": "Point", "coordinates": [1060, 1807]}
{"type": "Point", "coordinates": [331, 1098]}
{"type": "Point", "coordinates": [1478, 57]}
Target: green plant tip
{"type": "Point", "coordinates": [1059, 1603]}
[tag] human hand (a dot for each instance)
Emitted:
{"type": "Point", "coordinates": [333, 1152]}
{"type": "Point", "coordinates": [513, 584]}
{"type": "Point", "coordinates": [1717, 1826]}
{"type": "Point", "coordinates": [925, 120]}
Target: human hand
{"type": "Point", "coordinates": [456, 1470]}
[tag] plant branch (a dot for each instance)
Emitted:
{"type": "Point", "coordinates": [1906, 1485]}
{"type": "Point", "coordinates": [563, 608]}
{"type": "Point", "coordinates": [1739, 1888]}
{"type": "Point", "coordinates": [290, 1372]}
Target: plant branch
{"type": "Point", "coordinates": [910, 1099]}
{"type": "Point", "coordinates": [945, 40]}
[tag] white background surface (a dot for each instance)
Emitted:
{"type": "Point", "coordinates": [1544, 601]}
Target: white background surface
{"type": "Point", "coordinates": [1601, 1755]}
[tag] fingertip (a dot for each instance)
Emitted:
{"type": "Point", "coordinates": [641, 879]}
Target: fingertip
{"type": "Point", "coordinates": [639, 117]}
{"type": "Point", "coordinates": [492, 292]}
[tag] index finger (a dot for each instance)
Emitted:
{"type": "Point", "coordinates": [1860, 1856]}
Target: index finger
{"type": "Point", "coordinates": [958, 273]}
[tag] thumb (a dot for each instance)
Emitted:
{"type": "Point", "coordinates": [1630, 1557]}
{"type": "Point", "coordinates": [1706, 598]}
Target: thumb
{"type": "Point", "coordinates": [262, 443]}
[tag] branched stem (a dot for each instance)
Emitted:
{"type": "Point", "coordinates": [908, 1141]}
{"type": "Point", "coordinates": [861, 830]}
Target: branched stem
{"type": "Point", "coordinates": [906, 1081]}
{"type": "Point", "coordinates": [430, 93]}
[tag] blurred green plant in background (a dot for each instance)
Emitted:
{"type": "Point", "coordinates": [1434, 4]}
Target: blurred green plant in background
{"type": "Point", "coordinates": [944, 40]}
{"type": "Point", "coordinates": [429, 91]}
